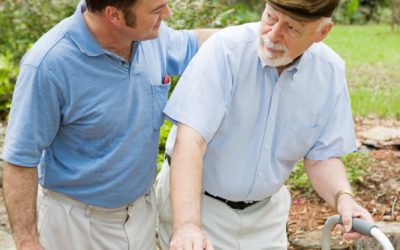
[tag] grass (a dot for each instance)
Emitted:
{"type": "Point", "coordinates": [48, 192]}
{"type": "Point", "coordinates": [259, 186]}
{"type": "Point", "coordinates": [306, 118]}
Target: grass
{"type": "Point", "coordinates": [372, 55]}
{"type": "Point", "coordinates": [367, 44]}
{"type": "Point", "coordinates": [380, 103]}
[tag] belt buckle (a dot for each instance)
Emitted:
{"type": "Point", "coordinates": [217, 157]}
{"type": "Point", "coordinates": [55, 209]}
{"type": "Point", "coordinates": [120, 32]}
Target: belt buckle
{"type": "Point", "coordinates": [240, 205]}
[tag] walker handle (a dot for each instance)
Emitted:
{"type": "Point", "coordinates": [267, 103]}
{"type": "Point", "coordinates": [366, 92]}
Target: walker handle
{"type": "Point", "coordinates": [360, 226]}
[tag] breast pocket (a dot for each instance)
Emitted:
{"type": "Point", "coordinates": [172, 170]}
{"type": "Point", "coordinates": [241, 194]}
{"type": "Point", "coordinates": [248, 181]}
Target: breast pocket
{"type": "Point", "coordinates": [160, 97]}
{"type": "Point", "coordinates": [295, 141]}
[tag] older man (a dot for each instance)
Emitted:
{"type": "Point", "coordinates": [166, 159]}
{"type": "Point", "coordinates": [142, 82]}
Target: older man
{"type": "Point", "coordinates": [255, 100]}
{"type": "Point", "coordinates": [86, 113]}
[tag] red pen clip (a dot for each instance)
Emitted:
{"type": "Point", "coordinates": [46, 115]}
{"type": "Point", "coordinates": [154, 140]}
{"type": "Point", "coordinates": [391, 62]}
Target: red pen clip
{"type": "Point", "coordinates": [166, 80]}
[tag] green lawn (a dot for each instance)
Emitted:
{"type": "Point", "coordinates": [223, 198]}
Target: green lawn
{"type": "Point", "coordinates": [372, 55]}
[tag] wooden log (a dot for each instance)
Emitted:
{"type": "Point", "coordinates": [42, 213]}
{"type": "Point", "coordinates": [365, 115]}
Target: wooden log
{"type": "Point", "coordinates": [312, 240]}
{"type": "Point", "coordinates": [395, 14]}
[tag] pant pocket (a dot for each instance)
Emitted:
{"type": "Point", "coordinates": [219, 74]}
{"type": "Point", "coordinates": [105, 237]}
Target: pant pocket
{"type": "Point", "coordinates": [43, 213]}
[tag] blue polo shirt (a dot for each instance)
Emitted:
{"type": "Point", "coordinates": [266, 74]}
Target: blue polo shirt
{"type": "Point", "coordinates": [257, 123]}
{"type": "Point", "coordinates": [89, 119]}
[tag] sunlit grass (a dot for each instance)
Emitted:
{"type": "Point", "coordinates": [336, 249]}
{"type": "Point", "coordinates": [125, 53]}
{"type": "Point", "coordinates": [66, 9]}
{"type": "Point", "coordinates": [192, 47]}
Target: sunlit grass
{"type": "Point", "coordinates": [365, 44]}
{"type": "Point", "coordinates": [379, 103]}
{"type": "Point", "coordinates": [372, 55]}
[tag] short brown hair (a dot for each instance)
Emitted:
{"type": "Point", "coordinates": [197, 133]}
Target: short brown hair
{"type": "Point", "coordinates": [123, 5]}
{"type": "Point", "coordinates": [99, 5]}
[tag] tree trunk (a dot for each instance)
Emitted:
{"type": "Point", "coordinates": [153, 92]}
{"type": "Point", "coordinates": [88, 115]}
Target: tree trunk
{"type": "Point", "coordinates": [395, 14]}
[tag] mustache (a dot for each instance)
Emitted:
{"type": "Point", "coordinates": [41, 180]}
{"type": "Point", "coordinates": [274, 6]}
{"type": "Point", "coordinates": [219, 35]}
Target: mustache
{"type": "Point", "coordinates": [270, 45]}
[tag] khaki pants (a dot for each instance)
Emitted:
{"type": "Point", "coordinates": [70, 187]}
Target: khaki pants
{"type": "Point", "coordinates": [261, 226]}
{"type": "Point", "coordinates": [65, 223]}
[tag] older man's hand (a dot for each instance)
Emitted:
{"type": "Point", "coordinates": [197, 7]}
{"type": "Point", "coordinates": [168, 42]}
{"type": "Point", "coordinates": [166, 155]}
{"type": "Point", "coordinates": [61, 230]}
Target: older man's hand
{"type": "Point", "coordinates": [190, 237]}
{"type": "Point", "coordinates": [348, 208]}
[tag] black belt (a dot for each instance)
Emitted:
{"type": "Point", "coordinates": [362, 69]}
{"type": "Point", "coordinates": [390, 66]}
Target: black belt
{"type": "Point", "coordinates": [233, 204]}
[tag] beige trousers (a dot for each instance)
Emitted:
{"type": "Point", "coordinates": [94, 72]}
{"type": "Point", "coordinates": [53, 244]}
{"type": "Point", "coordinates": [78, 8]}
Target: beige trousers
{"type": "Point", "coordinates": [65, 223]}
{"type": "Point", "coordinates": [261, 226]}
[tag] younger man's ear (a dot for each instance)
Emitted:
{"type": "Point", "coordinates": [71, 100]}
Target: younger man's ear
{"type": "Point", "coordinates": [113, 15]}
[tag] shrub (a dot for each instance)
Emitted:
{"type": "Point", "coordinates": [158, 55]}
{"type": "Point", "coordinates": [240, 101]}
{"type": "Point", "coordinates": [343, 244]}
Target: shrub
{"type": "Point", "coordinates": [22, 22]}
{"type": "Point", "coordinates": [188, 14]}
{"type": "Point", "coordinates": [363, 11]}
{"type": "Point", "coordinates": [8, 75]}
{"type": "Point", "coordinates": [356, 164]}
{"type": "Point", "coordinates": [163, 139]}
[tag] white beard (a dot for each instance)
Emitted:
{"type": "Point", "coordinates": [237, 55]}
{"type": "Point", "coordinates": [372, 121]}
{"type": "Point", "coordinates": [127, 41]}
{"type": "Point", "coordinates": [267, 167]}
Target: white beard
{"type": "Point", "coordinates": [267, 57]}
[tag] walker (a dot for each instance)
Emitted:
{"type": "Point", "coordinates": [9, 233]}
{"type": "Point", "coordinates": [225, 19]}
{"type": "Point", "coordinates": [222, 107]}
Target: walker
{"type": "Point", "coordinates": [359, 226]}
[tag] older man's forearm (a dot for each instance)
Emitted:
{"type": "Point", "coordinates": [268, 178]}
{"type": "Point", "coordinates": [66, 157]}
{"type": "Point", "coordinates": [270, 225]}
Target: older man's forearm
{"type": "Point", "coordinates": [328, 177]}
{"type": "Point", "coordinates": [186, 176]}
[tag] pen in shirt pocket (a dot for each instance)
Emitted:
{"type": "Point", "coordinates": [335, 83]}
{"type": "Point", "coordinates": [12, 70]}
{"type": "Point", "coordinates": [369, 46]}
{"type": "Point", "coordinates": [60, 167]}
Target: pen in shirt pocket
{"type": "Point", "coordinates": [166, 80]}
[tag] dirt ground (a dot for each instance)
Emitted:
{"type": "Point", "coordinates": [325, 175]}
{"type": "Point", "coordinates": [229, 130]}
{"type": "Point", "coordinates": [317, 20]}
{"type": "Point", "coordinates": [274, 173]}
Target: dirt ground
{"type": "Point", "coordinates": [379, 193]}
{"type": "Point", "coordinates": [379, 190]}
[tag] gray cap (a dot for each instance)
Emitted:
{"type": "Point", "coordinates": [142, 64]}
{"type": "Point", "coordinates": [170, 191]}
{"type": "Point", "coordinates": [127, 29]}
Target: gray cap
{"type": "Point", "coordinates": [305, 10]}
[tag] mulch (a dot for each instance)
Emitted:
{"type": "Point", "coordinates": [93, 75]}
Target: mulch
{"type": "Point", "coordinates": [378, 190]}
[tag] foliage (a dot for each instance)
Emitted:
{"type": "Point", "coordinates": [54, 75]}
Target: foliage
{"type": "Point", "coordinates": [346, 12]}
{"type": "Point", "coordinates": [355, 163]}
{"type": "Point", "coordinates": [254, 5]}
{"type": "Point", "coordinates": [356, 166]}
{"type": "Point", "coordinates": [188, 14]}
{"type": "Point", "coordinates": [21, 24]}
{"type": "Point", "coordinates": [244, 15]}
{"type": "Point", "coordinates": [362, 11]}
{"type": "Point", "coordinates": [8, 75]}
{"type": "Point", "coordinates": [298, 178]}
{"type": "Point", "coordinates": [163, 139]}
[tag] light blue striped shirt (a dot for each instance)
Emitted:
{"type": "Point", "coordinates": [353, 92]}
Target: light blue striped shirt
{"type": "Point", "coordinates": [258, 124]}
